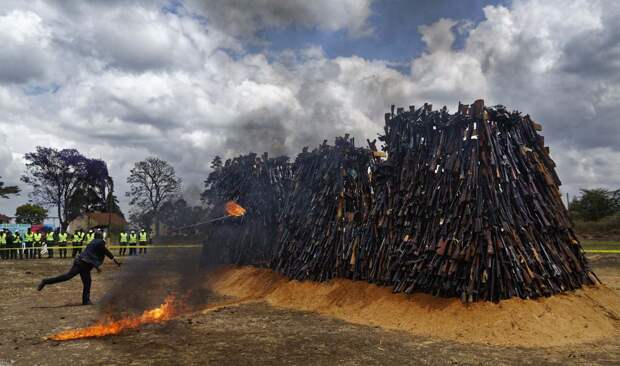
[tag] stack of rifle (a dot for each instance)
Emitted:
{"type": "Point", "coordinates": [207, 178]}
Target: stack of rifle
{"type": "Point", "coordinates": [325, 212]}
{"type": "Point", "coordinates": [259, 184]}
{"type": "Point", "coordinates": [456, 205]}
{"type": "Point", "coordinates": [467, 205]}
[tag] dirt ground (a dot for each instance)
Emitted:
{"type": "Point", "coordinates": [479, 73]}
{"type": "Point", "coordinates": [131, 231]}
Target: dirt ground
{"type": "Point", "coordinates": [253, 333]}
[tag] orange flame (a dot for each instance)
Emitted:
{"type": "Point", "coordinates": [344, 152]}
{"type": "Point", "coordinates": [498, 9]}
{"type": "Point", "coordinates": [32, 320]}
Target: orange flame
{"type": "Point", "coordinates": [233, 209]}
{"type": "Point", "coordinates": [164, 312]}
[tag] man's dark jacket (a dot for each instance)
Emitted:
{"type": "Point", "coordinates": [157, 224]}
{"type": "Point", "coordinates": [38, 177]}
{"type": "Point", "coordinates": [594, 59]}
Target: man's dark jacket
{"type": "Point", "coordinates": [95, 252]}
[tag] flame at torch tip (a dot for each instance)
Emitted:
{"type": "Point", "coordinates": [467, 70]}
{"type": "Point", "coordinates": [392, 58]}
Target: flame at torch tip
{"type": "Point", "coordinates": [164, 312]}
{"type": "Point", "coordinates": [234, 209]}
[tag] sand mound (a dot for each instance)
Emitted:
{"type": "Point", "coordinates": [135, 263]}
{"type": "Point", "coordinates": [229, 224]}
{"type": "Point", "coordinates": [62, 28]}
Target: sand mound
{"type": "Point", "coordinates": [581, 316]}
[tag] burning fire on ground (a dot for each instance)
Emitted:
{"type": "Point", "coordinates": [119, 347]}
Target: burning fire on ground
{"type": "Point", "coordinates": [166, 311]}
{"type": "Point", "coordinates": [171, 308]}
{"type": "Point", "coordinates": [234, 209]}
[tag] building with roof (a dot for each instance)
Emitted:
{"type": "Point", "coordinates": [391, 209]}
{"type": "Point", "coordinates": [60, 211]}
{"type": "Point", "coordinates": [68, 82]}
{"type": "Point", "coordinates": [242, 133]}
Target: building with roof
{"type": "Point", "coordinates": [4, 219]}
{"type": "Point", "coordinates": [98, 220]}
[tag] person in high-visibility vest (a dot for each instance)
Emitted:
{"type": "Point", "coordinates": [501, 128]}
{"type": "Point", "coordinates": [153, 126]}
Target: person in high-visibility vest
{"type": "Point", "coordinates": [133, 241]}
{"type": "Point", "coordinates": [77, 242]}
{"type": "Point", "coordinates": [17, 246]}
{"type": "Point", "coordinates": [83, 241]}
{"type": "Point", "coordinates": [80, 245]}
{"type": "Point", "coordinates": [28, 240]}
{"type": "Point", "coordinates": [38, 239]}
{"type": "Point", "coordinates": [70, 239]}
{"type": "Point", "coordinates": [90, 236]}
{"type": "Point", "coordinates": [4, 250]}
{"type": "Point", "coordinates": [50, 242]}
{"type": "Point", "coordinates": [123, 240]}
{"type": "Point", "coordinates": [62, 243]}
{"type": "Point", "coordinates": [144, 240]}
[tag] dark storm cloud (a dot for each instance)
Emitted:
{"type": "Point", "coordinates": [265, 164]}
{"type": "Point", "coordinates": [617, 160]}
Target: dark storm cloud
{"type": "Point", "coordinates": [246, 17]}
{"type": "Point", "coordinates": [258, 134]}
{"type": "Point", "coordinates": [18, 67]}
{"type": "Point", "coordinates": [596, 53]}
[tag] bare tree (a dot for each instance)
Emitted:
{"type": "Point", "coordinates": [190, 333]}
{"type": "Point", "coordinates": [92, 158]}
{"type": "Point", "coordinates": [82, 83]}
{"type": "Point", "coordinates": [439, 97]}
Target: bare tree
{"type": "Point", "coordinates": [153, 182]}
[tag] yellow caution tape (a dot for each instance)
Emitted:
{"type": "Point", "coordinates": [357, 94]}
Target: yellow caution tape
{"type": "Point", "coordinates": [596, 251]}
{"type": "Point", "coordinates": [112, 247]}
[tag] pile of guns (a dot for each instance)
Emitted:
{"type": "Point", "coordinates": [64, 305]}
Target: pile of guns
{"type": "Point", "coordinates": [456, 205]}
{"type": "Point", "coordinates": [259, 184]}
{"type": "Point", "coordinates": [324, 212]}
{"type": "Point", "coordinates": [467, 205]}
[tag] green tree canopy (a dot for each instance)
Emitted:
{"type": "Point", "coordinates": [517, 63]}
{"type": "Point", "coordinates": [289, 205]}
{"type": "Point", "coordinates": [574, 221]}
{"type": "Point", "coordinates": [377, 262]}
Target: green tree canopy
{"type": "Point", "coordinates": [30, 214]}
{"type": "Point", "coordinates": [67, 180]}
{"type": "Point", "coordinates": [594, 204]}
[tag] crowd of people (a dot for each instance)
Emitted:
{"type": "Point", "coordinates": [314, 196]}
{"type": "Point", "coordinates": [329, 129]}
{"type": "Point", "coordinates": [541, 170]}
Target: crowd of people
{"type": "Point", "coordinates": [136, 242]}
{"type": "Point", "coordinates": [31, 245]}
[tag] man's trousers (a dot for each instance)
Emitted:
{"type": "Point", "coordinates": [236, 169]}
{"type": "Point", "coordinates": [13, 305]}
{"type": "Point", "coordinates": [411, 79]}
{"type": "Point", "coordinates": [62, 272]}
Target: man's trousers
{"type": "Point", "coordinates": [79, 267]}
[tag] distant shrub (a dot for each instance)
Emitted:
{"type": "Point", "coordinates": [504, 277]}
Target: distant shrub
{"type": "Point", "coordinates": [595, 204]}
{"type": "Point", "coordinates": [605, 228]}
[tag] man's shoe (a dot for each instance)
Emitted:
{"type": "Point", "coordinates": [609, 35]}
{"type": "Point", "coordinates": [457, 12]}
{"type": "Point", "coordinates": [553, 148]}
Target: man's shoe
{"type": "Point", "coordinates": [87, 303]}
{"type": "Point", "coordinates": [40, 286]}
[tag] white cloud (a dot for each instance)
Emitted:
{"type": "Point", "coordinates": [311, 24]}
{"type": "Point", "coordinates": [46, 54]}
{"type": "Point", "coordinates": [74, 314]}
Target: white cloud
{"type": "Point", "coordinates": [11, 164]}
{"type": "Point", "coordinates": [121, 82]}
{"type": "Point", "coordinates": [10, 170]}
{"type": "Point", "coordinates": [587, 168]}
{"type": "Point", "coordinates": [25, 43]}
{"type": "Point", "coordinates": [141, 39]}
{"type": "Point", "coordinates": [438, 36]}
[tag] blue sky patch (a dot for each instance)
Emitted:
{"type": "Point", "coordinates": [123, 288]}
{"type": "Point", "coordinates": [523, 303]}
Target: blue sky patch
{"type": "Point", "coordinates": [395, 23]}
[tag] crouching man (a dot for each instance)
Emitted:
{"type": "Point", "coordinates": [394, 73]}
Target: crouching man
{"type": "Point", "coordinates": [91, 257]}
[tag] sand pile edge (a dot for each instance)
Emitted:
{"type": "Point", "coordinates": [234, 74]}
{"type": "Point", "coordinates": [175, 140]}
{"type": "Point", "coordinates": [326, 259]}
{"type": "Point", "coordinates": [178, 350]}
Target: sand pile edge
{"type": "Point", "coordinates": [581, 316]}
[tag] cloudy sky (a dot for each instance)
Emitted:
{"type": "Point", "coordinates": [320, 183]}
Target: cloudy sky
{"type": "Point", "coordinates": [185, 80]}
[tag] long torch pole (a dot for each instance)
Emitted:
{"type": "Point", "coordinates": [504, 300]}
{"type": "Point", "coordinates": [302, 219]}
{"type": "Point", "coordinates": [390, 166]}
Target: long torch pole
{"type": "Point", "coordinates": [205, 222]}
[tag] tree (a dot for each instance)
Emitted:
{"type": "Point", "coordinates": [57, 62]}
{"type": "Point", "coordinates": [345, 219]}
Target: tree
{"type": "Point", "coordinates": [152, 182]}
{"type": "Point", "coordinates": [94, 192]}
{"type": "Point", "coordinates": [30, 214]}
{"type": "Point", "coordinates": [594, 204]}
{"type": "Point", "coordinates": [178, 213]}
{"type": "Point", "coordinates": [141, 219]}
{"type": "Point", "coordinates": [67, 180]}
{"type": "Point", "coordinates": [216, 166]}
{"type": "Point", "coordinates": [113, 206]}
{"type": "Point", "coordinates": [8, 190]}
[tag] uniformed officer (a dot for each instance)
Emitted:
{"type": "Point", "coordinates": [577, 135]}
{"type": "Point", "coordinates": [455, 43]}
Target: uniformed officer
{"type": "Point", "coordinates": [28, 240]}
{"type": "Point", "coordinates": [77, 242]}
{"type": "Point", "coordinates": [144, 240]}
{"type": "Point", "coordinates": [37, 240]}
{"type": "Point", "coordinates": [133, 241]}
{"type": "Point", "coordinates": [70, 239]}
{"type": "Point", "coordinates": [123, 240]}
{"type": "Point", "coordinates": [90, 236]}
{"type": "Point", "coordinates": [50, 242]}
{"type": "Point", "coordinates": [17, 246]}
{"type": "Point", "coordinates": [4, 250]}
{"type": "Point", "coordinates": [62, 243]}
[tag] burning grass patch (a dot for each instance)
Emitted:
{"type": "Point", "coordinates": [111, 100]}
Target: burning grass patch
{"type": "Point", "coordinates": [171, 308]}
